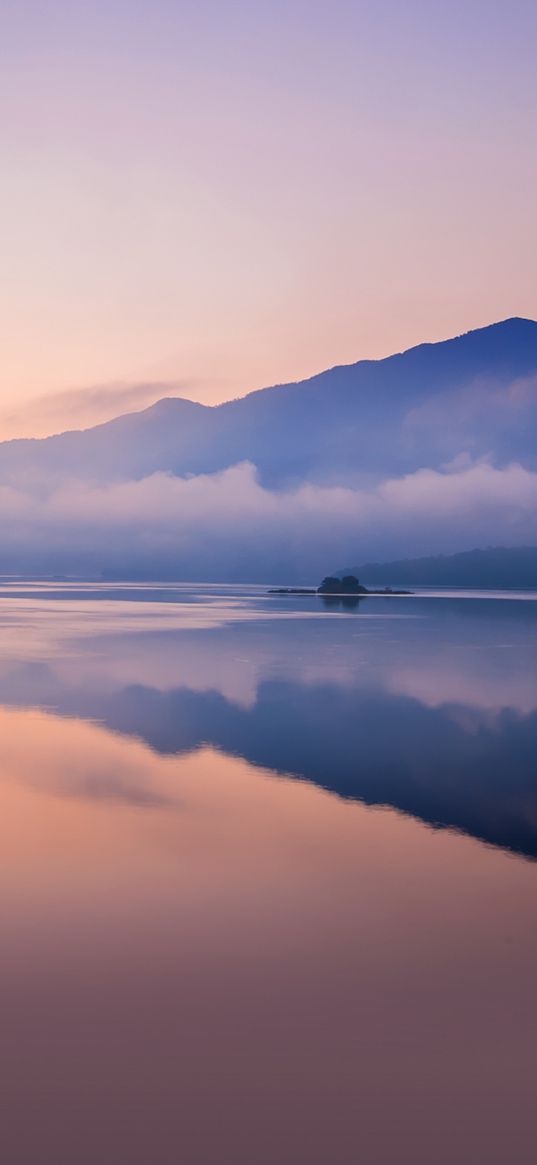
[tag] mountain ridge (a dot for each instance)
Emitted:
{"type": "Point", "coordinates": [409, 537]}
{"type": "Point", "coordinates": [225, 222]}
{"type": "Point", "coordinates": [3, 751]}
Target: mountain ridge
{"type": "Point", "coordinates": [366, 362]}
{"type": "Point", "coordinates": [511, 322]}
{"type": "Point", "coordinates": [491, 567]}
{"type": "Point", "coordinates": [348, 425]}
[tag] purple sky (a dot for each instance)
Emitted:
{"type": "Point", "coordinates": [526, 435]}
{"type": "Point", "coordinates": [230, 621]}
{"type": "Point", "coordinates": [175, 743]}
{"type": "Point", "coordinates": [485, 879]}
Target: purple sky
{"type": "Point", "coordinates": [227, 194]}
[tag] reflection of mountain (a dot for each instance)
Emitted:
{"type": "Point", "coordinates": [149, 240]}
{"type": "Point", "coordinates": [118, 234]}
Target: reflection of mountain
{"type": "Point", "coordinates": [427, 705]}
{"type": "Point", "coordinates": [449, 766]}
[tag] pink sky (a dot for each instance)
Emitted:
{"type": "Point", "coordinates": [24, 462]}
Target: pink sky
{"type": "Point", "coordinates": [218, 196]}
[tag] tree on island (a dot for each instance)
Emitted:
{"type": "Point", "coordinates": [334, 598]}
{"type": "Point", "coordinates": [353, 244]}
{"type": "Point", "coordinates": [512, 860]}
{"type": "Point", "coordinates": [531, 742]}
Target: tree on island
{"type": "Point", "coordinates": [348, 585]}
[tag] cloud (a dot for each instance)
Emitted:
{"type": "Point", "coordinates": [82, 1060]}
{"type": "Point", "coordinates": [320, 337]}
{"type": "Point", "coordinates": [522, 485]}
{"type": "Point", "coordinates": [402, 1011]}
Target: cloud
{"type": "Point", "coordinates": [466, 417]}
{"type": "Point", "coordinates": [80, 408]}
{"type": "Point", "coordinates": [228, 526]}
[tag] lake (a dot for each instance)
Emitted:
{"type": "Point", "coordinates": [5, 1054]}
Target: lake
{"type": "Point", "coordinates": [268, 884]}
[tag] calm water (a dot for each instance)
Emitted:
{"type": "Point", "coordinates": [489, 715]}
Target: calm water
{"type": "Point", "coordinates": [268, 883]}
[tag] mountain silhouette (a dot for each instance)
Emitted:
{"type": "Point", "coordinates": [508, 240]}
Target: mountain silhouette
{"type": "Point", "coordinates": [497, 567]}
{"type": "Point", "coordinates": [474, 395]}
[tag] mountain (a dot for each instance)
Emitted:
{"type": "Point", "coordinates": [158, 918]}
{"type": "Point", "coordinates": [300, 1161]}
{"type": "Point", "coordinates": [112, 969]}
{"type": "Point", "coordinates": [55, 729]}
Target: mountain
{"type": "Point", "coordinates": [475, 395]}
{"type": "Point", "coordinates": [494, 568]}
{"type": "Point", "coordinates": [434, 451]}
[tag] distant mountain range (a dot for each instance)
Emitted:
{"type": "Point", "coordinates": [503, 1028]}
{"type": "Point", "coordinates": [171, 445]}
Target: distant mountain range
{"type": "Point", "coordinates": [495, 568]}
{"type": "Point", "coordinates": [475, 396]}
{"type": "Point", "coordinates": [430, 451]}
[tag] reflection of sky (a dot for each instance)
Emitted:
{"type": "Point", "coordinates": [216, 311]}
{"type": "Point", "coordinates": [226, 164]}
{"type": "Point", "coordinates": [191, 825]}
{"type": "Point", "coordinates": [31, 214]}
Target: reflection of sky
{"type": "Point", "coordinates": [186, 934]}
{"type": "Point", "coordinates": [189, 931]}
{"type": "Point", "coordinates": [426, 704]}
{"type": "Point", "coordinates": [478, 653]}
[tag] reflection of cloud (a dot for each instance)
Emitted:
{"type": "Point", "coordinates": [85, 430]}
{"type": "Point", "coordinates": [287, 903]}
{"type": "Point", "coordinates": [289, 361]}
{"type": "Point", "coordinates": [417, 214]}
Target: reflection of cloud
{"type": "Point", "coordinates": [467, 653]}
{"type": "Point", "coordinates": [421, 711]}
{"type": "Point", "coordinates": [105, 646]}
{"type": "Point", "coordinates": [441, 683]}
{"type": "Point", "coordinates": [70, 758]}
{"type": "Point", "coordinates": [227, 525]}
{"type": "Point", "coordinates": [104, 786]}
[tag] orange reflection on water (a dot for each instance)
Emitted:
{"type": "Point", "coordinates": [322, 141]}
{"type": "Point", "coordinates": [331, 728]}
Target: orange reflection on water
{"type": "Point", "coordinates": [204, 962]}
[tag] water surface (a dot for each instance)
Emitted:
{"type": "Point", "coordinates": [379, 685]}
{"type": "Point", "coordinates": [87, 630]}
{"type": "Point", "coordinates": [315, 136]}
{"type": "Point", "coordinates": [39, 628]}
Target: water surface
{"type": "Point", "coordinates": [268, 885]}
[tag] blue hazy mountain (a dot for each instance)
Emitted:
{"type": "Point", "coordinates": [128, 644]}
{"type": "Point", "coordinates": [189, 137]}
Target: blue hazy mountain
{"type": "Point", "coordinates": [474, 395]}
{"type": "Point", "coordinates": [494, 567]}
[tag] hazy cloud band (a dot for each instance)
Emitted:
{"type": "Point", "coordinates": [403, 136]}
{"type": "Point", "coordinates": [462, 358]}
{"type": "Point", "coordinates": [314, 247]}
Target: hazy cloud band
{"type": "Point", "coordinates": [228, 526]}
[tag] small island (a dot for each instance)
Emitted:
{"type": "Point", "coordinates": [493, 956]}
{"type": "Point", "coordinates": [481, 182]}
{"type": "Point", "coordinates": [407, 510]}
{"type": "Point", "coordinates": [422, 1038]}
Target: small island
{"type": "Point", "coordinates": [336, 587]}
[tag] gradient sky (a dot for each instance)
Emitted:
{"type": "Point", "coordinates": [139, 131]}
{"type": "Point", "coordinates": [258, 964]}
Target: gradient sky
{"type": "Point", "coordinates": [223, 194]}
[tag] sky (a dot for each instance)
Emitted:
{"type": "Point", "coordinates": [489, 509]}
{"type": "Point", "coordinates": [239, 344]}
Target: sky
{"type": "Point", "coordinates": [201, 198]}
